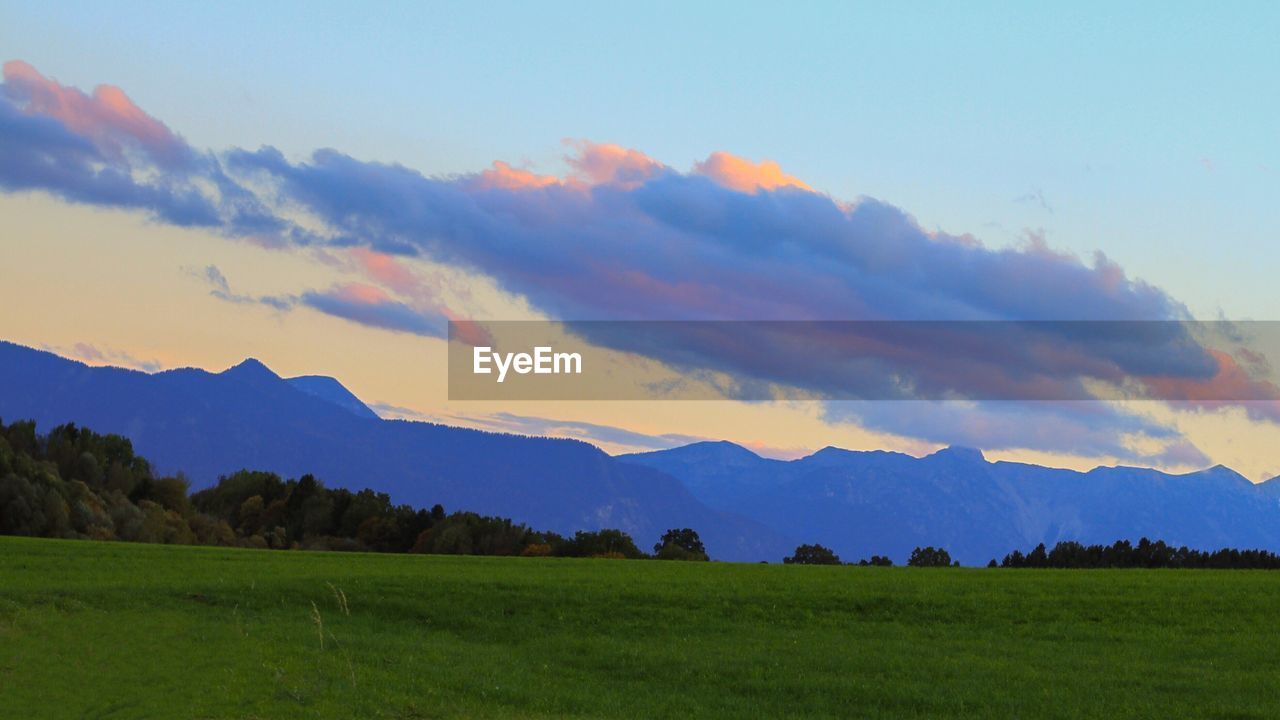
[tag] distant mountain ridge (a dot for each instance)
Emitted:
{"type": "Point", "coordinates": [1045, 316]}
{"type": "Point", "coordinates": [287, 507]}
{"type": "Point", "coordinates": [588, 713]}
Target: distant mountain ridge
{"type": "Point", "coordinates": [745, 506]}
{"type": "Point", "coordinates": [209, 424]}
{"type": "Point", "coordinates": [860, 503]}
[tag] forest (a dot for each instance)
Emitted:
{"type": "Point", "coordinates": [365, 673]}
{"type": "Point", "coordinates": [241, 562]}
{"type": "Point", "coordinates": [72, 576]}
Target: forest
{"type": "Point", "coordinates": [1144, 554]}
{"type": "Point", "coordinates": [75, 483]}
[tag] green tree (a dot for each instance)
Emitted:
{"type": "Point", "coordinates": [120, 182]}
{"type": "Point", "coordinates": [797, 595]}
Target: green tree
{"type": "Point", "coordinates": [599, 543]}
{"type": "Point", "coordinates": [812, 555]}
{"type": "Point", "coordinates": [929, 557]}
{"type": "Point", "coordinates": [680, 544]}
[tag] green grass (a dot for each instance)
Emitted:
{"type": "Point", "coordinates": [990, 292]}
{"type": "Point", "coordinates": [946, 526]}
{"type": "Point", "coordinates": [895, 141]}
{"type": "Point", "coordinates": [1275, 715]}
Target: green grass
{"type": "Point", "coordinates": [106, 630]}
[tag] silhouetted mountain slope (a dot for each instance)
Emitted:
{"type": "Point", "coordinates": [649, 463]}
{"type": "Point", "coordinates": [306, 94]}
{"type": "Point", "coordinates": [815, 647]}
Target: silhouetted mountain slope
{"type": "Point", "coordinates": [327, 388]}
{"type": "Point", "coordinates": [209, 424]}
{"type": "Point", "coordinates": [859, 503]}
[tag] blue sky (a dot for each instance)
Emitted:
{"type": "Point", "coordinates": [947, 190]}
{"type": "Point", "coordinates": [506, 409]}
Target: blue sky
{"type": "Point", "coordinates": [1147, 129]}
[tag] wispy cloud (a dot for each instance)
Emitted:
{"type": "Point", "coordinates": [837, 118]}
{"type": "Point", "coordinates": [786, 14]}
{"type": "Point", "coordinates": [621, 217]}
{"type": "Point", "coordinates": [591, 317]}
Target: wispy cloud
{"type": "Point", "coordinates": [220, 288]}
{"type": "Point", "coordinates": [610, 436]}
{"type": "Point", "coordinates": [1074, 428]}
{"type": "Point", "coordinates": [356, 302]}
{"type": "Point", "coordinates": [1035, 198]}
{"type": "Point", "coordinates": [103, 355]}
{"type": "Point", "coordinates": [371, 306]}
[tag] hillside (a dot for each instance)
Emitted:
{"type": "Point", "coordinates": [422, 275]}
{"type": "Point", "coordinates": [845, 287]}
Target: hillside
{"type": "Point", "coordinates": [860, 503]}
{"type": "Point", "coordinates": [209, 424]}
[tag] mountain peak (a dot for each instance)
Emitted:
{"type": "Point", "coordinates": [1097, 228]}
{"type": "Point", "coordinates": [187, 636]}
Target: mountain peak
{"type": "Point", "coordinates": [715, 450]}
{"type": "Point", "coordinates": [1222, 473]}
{"type": "Point", "coordinates": [733, 447]}
{"type": "Point", "coordinates": [960, 453]}
{"type": "Point", "coordinates": [250, 368]}
{"type": "Point", "coordinates": [829, 452]}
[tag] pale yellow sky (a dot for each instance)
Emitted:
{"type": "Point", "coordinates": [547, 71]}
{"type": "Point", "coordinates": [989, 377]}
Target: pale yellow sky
{"type": "Point", "coordinates": [132, 289]}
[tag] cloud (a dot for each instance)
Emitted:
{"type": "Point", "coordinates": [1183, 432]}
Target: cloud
{"type": "Point", "coordinates": [1230, 384]}
{"type": "Point", "coordinates": [425, 289]}
{"type": "Point", "coordinates": [608, 164]}
{"type": "Point", "coordinates": [1036, 198]}
{"type": "Point", "coordinates": [615, 438]}
{"type": "Point", "coordinates": [622, 237]}
{"type": "Point", "coordinates": [1080, 428]}
{"type": "Point", "coordinates": [681, 247]}
{"type": "Point", "coordinates": [903, 360]}
{"type": "Point", "coordinates": [678, 246]}
{"type": "Point", "coordinates": [371, 306]}
{"type": "Point", "coordinates": [220, 288]}
{"type": "Point", "coordinates": [104, 150]}
{"type": "Point", "coordinates": [215, 278]}
{"type": "Point", "coordinates": [591, 164]}
{"type": "Point", "coordinates": [591, 432]}
{"type": "Point", "coordinates": [108, 117]}
{"type": "Point", "coordinates": [359, 303]}
{"type": "Point", "coordinates": [101, 355]}
{"type": "Point", "coordinates": [40, 153]}
{"type": "Point", "coordinates": [745, 176]}
{"type": "Point", "coordinates": [505, 177]}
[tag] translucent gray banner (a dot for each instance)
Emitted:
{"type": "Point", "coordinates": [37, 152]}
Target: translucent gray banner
{"type": "Point", "coordinates": [1192, 361]}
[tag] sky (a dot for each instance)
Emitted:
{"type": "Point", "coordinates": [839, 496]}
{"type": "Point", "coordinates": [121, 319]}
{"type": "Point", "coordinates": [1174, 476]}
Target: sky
{"type": "Point", "coordinates": [1046, 135]}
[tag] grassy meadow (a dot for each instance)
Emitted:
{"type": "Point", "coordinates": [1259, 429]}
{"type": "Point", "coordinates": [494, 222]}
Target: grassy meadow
{"type": "Point", "coordinates": [114, 630]}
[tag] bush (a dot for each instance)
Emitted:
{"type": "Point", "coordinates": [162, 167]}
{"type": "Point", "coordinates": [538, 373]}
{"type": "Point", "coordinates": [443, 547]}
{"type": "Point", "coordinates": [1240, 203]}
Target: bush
{"type": "Point", "coordinates": [536, 550]}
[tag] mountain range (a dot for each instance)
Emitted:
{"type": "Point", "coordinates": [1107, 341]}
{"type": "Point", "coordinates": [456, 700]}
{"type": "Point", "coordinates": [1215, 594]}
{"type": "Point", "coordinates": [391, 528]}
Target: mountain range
{"type": "Point", "coordinates": [210, 424]}
{"type": "Point", "coordinates": [745, 507]}
{"type": "Point", "coordinates": [859, 503]}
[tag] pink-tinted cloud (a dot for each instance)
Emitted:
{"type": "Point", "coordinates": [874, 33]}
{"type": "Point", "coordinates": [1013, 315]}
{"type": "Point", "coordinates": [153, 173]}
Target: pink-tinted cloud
{"type": "Point", "coordinates": [108, 117]}
{"type": "Point", "coordinates": [594, 163]}
{"type": "Point", "coordinates": [387, 270]}
{"type": "Point", "coordinates": [100, 355]}
{"type": "Point", "coordinates": [467, 331]}
{"type": "Point", "coordinates": [1231, 384]}
{"type": "Point", "coordinates": [371, 306]}
{"type": "Point", "coordinates": [745, 176]}
{"type": "Point", "coordinates": [608, 164]}
{"type": "Point", "coordinates": [505, 177]}
{"type": "Point", "coordinates": [590, 164]}
{"type": "Point", "coordinates": [425, 292]}
{"type": "Point", "coordinates": [104, 150]}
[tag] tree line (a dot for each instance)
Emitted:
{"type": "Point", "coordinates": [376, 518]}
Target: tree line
{"type": "Point", "coordinates": [819, 555]}
{"type": "Point", "coordinates": [1145, 554]}
{"type": "Point", "coordinates": [76, 483]}
{"type": "Point", "coordinates": [1069, 554]}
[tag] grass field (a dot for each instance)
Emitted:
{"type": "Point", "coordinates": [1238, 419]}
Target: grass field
{"type": "Point", "coordinates": [107, 630]}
